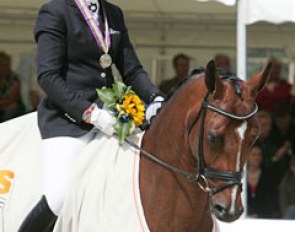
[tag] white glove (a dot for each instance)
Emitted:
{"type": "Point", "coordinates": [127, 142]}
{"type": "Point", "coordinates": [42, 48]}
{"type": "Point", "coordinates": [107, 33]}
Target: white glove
{"type": "Point", "coordinates": [103, 119]}
{"type": "Point", "coordinates": [153, 108]}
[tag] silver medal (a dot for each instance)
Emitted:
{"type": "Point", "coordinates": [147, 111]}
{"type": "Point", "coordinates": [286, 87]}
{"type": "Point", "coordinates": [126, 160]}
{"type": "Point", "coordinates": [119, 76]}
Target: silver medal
{"type": "Point", "coordinates": [105, 61]}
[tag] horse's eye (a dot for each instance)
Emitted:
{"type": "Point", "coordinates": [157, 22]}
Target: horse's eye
{"type": "Point", "coordinates": [215, 140]}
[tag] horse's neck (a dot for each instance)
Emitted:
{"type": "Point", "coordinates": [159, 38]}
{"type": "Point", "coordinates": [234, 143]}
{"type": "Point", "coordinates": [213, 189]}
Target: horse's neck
{"type": "Point", "coordinates": [168, 138]}
{"type": "Point", "coordinates": [171, 202]}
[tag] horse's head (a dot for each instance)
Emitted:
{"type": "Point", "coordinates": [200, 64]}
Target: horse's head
{"type": "Point", "coordinates": [226, 127]}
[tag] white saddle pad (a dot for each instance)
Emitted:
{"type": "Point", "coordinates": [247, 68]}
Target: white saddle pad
{"type": "Point", "coordinates": [104, 193]}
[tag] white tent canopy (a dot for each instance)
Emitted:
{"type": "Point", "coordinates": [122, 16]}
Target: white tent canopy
{"type": "Point", "coordinates": [273, 11]}
{"type": "Point", "coordinates": [251, 11]}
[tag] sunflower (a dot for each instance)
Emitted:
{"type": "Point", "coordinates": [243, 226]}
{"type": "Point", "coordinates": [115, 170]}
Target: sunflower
{"type": "Point", "coordinates": [134, 107]}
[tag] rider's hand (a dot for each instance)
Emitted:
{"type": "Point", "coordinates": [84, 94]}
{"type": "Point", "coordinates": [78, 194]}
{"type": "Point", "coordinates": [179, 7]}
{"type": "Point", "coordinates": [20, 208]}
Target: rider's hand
{"type": "Point", "coordinates": [153, 108]}
{"type": "Point", "coordinates": [102, 119]}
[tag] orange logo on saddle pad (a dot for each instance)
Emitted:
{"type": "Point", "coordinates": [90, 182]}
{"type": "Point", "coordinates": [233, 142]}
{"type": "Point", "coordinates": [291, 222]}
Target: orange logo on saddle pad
{"type": "Point", "coordinates": [5, 181]}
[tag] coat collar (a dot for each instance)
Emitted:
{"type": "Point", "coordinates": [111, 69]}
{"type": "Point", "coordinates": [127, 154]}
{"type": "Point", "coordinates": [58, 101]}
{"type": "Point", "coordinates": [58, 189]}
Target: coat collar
{"type": "Point", "coordinates": [73, 4]}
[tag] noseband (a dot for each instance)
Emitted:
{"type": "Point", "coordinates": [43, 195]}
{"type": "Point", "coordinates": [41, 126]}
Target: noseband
{"type": "Point", "coordinates": [229, 178]}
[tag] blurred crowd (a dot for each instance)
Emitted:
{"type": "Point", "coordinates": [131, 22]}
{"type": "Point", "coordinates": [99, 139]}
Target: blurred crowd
{"type": "Point", "coordinates": [271, 163]}
{"type": "Point", "coordinates": [11, 104]}
{"type": "Point", "coordinates": [11, 101]}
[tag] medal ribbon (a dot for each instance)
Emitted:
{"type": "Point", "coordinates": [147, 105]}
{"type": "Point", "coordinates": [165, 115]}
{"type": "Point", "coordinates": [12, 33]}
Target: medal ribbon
{"type": "Point", "coordinates": [103, 42]}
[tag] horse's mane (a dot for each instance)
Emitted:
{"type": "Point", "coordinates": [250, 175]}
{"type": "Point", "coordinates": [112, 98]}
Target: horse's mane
{"type": "Point", "coordinates": [194, 89]}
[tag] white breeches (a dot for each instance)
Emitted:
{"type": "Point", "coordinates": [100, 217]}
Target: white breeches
{"type": "Point", "coordinates": [58, 158]}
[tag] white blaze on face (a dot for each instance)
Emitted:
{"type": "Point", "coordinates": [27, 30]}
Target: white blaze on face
{"type": "Point", "coordinates": [241, 133]}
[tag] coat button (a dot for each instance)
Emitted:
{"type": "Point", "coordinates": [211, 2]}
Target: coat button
{"type": "Point", "coordinates": [103, 75]}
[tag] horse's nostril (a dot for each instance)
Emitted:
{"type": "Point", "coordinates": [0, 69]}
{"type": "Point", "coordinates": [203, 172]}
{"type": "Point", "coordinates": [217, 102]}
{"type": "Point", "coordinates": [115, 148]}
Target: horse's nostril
{"type": "Point", "coordinates": [220, 209]}
{"type": "Point", "coordinates": [224, 214]}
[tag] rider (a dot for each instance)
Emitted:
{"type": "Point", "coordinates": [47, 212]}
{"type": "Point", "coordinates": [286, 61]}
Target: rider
{"type": "Point", "coordinates": [73, 60]}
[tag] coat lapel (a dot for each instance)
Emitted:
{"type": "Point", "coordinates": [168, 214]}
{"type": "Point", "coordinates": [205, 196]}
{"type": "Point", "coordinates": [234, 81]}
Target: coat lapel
{"type": "Point", "coordinates": [73, 4]}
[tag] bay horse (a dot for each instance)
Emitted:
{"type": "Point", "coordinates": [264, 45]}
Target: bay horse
{"type": "Point", "coordinates": [204, 133]}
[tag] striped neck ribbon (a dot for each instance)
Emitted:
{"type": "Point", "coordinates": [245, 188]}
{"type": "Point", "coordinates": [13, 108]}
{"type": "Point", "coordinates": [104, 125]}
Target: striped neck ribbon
{"type": "Point", "coordinates": [104, 42]}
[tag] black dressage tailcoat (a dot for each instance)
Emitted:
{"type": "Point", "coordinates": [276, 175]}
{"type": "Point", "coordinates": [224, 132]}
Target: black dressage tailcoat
{"type": "Point", "coordinates": [68, 66]}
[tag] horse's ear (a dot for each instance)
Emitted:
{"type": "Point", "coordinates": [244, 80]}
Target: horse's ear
{"type": "Point", "coordinates": [212, 80]}
{"type": "Point", "coordinates": [259, 81]}
{"type": "Point", "coordinates": [210, 74]}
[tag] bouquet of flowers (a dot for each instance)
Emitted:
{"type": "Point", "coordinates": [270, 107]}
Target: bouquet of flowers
{"type": "Point", "coordinates": [126, 105]}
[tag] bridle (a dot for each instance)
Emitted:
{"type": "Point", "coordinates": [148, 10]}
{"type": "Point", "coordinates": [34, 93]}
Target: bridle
{"type": "Point", "coordinates": [229, 178]}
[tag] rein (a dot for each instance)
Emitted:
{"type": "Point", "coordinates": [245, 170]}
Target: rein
{"type": "Point", "coordinates": [164, 164]}
{"type": "Point", "coordinates": [230, 178]}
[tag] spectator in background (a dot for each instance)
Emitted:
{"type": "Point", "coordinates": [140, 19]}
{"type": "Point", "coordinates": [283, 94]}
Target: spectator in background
{"type": "Point", "coordinates": [283, 138]}
{"type": "Point", "coordinates": [276, 92]}
{"type": "Point", "coordinates": [222, 63]}
{"type": "Point", "coordinates": [287, 192]}
{"type": "Point", "coordinates": [11, 105]}
{"type": "Point", "coordinates": [274, 147]}
{"type": "Point", "coordinates": [292, 101]}
{"type": "Point", "coordinates": [261, 189]}
{"type": "Point", "coordinates": [181, 68]}
{"type": "Point", "coordinates": [266, 141]}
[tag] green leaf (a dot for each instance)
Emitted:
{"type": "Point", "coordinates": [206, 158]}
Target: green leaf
{"type": "Point", "coordinates": [129, 91]}
{"type": "Point", "coordinates": [117, 127]}
{"type": "Point", "coordinates": [131, 127]}
{"type": "Point", "coordinates": [107, 96]}
{"type": "Point", "coordinates": [118, 89]}
{"type": "Point", "coordinates": [124, 129]}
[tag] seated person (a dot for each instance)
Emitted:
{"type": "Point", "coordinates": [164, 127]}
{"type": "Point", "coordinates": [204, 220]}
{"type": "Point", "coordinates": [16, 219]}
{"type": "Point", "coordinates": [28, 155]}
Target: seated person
{"type": "Point", "coordinates": [181, 68]}
{"type": "Point", "coordinates": [283, 138]}
{"type": "Point", "coordinates": [287, 192]}
{"type": "Point", "coordinates": [272, 152]}
{"type": "Point", "coordinates": [11, 104]}
{"type": "Point", "coordinates": [276, 92]}
{"type": "Point", "coordinates": [222, 63]}
{"type": "Point", "coordinates": [261, 189]}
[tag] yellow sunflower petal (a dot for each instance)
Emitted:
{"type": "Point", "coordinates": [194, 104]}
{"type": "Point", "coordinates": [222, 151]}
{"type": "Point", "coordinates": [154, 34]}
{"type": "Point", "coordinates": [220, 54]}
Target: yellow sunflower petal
{"type": "Point", "coordinates": [140, 107]}
{"type": "Point", "coordinates": [136, 99]}
{"type": "Point", "coordinates": [137, 121]}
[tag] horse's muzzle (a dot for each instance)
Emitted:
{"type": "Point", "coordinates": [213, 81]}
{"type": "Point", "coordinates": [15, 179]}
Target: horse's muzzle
{"type": "Point", "coordinates": [225, 214]}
